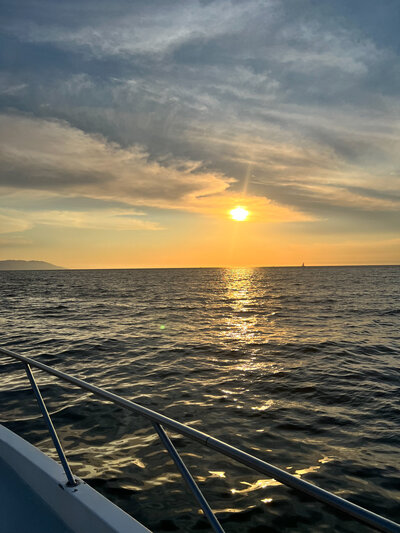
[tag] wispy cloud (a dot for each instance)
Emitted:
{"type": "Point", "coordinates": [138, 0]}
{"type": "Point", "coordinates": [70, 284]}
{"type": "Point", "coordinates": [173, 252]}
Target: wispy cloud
{"type": "Point", "coordinates": [13, 223]}
{"type": "Point", "coordinates": [138, 29]}
{"type": "Point", "coordinates": [14, 220]}
{"type": "Point", "coordinates": [15, 242]}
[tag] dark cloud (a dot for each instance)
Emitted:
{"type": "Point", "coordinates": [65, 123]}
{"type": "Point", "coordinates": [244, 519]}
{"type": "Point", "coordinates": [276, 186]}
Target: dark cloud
{"type": "Point", "coordinates": [52, 156]}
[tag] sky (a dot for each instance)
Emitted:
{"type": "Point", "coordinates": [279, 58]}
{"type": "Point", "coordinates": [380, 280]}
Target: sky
{"type": "Point", "coordinates": [130, 129]}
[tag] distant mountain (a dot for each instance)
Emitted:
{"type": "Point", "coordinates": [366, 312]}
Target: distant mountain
{"type": "Point", "coordinates": [14, 264]}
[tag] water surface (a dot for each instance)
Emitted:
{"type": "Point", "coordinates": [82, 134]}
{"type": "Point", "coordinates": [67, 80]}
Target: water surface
{"type": "Point", "coordinates": [299, 366]}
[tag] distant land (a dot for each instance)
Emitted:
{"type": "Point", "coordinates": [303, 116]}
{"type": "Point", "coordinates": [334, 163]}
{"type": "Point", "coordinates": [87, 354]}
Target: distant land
{"type": "Point", "coordinates": [14, 264]}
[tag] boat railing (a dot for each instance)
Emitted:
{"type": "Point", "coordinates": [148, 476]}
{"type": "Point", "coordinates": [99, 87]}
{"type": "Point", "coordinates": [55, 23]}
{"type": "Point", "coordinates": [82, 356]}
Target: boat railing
{"type": "Point", "coordinates": [161, 421]}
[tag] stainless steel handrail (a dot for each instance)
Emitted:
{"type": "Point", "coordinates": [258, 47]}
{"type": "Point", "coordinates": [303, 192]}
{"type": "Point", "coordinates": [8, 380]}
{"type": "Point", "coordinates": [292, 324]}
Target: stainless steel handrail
{"type": "Point", "coordinates": [359, 513]}
{"type": "Point", "coordinates": [53, 433]}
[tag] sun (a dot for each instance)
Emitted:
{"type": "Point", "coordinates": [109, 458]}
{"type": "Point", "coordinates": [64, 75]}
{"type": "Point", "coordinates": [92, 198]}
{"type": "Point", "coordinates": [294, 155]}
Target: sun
{"type": "Point", "coordinates": [239, 214]}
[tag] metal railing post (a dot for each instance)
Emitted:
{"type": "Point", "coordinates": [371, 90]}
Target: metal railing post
{"type": "Point", "coordinates": [188, 478]}
{"type": "Point", "coordinates": [56, 441]}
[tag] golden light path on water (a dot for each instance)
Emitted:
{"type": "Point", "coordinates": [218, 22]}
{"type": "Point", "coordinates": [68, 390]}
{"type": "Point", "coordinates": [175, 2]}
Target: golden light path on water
{"type": "Point", "coordinates": [244, 327]}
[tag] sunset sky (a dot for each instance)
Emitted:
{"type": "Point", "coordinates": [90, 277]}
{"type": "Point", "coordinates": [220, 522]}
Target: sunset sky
{"type": "Point", "coordinates": [130, 129]}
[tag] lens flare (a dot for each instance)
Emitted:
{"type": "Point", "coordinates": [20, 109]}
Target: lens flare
{"type": "Point", "coordinates": [239, 214]}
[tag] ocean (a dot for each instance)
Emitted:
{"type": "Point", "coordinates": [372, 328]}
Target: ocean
{"type": "Point", "coordinates": [298, 366]}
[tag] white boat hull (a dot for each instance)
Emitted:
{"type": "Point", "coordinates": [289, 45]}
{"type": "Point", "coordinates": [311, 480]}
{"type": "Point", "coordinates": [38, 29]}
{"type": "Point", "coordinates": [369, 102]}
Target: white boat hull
{"type": "Point", "coordinates": [34, 487]}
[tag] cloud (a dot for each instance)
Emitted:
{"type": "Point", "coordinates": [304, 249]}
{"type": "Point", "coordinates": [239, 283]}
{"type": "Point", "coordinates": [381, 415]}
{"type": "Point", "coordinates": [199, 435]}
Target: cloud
{"type": "Point", "coordinates": [137, 29]}
{"type": "Point", "coordinates": [52, 156]}
{"type": "Point", "coordinates": [304, 173]}
{"type": "Point", "coordinates": [110, 219]}
{"type": "Point", "coordinates": [13, 223]}
{"type": "Point", "coordinates": [15, 242]}
{"type": "Point", "coordinates": [14, 220]}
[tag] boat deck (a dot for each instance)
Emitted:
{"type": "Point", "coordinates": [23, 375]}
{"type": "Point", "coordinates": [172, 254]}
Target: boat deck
{"type": "Point", "coordinates": [35, 497]}
{"type": "Point", "coordinates": [22, 510]}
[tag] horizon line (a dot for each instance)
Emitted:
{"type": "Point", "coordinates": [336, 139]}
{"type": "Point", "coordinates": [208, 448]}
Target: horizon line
{"type": "Point", "coordinates": [60, 268]}
{"type": "Point", "coordinates": [297, 265]}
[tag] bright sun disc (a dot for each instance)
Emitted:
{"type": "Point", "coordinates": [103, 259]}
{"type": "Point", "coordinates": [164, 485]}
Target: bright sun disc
{"type": "Point", "coordinates": [239, 214]}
